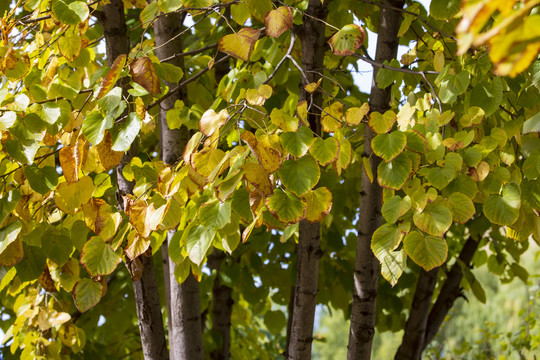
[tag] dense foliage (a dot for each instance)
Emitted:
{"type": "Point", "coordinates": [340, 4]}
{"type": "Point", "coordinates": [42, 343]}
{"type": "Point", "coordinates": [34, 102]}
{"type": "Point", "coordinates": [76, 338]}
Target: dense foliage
{"type": "Point", "coordinates": [273, 147]}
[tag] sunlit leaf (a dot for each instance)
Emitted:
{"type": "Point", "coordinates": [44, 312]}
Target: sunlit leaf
{"type": "Point", "coordinates": [300, 175]}
{"type": "Point", "coordinates": [112, 76]}
{"type": "Point", "coordinates": [426, 251]}
{"type": "Point", "coordinates": [278, 21]}
{"type": "Point", "coordinates": [211, 121]}
{"type": "Point", "coordinates": [297, 143]}
{"type": "Point", "coordinates": [435, 219]}
{"type": "Point", "coordinates": [286, 206]}
{"type": "Point", "coordinates": [388, 146]}
{"type": "Point", "coordinates": [395, 173]}
{"type": "Point", "coordinates": [70, 12]}
{"type": "Point", "coordinates": [355, 115]}
{"type": "Point", "coordinates": [257, 176]}
{"type": "Point", "coordinates": [198, 242]}
{"type": "Point", "coordinates": [241, 44]}
{"type": "Point", "coordinates": [347, 40]}
{"type": "Point", "coordinates": [319, 203]}
{"type": "Point", "coordinates": [324, 151]}
{"type": "Point", "coordinates": [381, 123]}
{"type": "Point", "coordinates": [143, 72]}
{"type": "Point", "coordinates": [71, 196]}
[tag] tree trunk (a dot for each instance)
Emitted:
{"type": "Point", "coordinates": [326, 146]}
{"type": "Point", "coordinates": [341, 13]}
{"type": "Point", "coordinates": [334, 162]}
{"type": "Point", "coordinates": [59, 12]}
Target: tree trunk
{"type": "Point", "coordinates": [413, 338]}
{"type": "Point", "coordinates": [145, 289]}
{"type": "Point", "coordinates": [185, 333]}
{"type": "Point", "coordinates": [450, 291]}
{"type": "Point", "coordinates": [309, 253]}
{"type": "Point", "coordinates": [366, 274]}
{"type": "Point", "coordinates": [222, 303]}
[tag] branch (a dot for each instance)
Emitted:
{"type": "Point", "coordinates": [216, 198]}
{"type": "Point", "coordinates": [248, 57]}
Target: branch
{"type": "Point", "coordinates": [387, 67]}
{"type": "Point", "coordinates": [288, 54]}
{"type": "Point", "coordinates": [192, 52]}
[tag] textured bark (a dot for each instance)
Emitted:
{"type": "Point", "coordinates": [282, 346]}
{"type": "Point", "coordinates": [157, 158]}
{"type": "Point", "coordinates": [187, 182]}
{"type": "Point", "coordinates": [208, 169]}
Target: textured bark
{"type": "Point", "coordinates": [415, 329]}
{"type": "Point", "coordinates": [366, 274]}
{"type": "Point", "coordinates": [145, 289]}
{"type": "Point", "coordinates": [185, 333]}
{"type": "Point", "coordinates": [222, 303]}
{"type": "Point", "coordinates": [450, 291]}
{"type": "Point", "coordinates": [309, 253]}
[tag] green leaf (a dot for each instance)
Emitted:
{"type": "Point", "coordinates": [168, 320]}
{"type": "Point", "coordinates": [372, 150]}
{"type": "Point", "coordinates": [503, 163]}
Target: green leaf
{"type": "Point", "coordinates": [42, 180]}
{"type": "Point", "coordinates": [462, 207]}
{"type": "Point", "coordinates": [198, 242]}
{"type": "Point", "coordinates": [149, 13]}
{"type": "Point", "coordinates": [386, 77]}
{"type": "Point", "coordinates": [386, 239]}
{"type": "Point", "coordinates": [57, 246]}
{"type": "Point", "coordinates": [319, 203]}
{"type": "Point", "coordinates": [488, 95]}
{"type": "Point", "coordinates": [275, 321]}
{"type": "Point", "coordinates": [394, 174]}
{"type": "Point", "coordinates": [98, 257]}
{"type": "Point", "coordinates": [8, 202]}
{"type": "Point", "coordinates": [388, 146]}
{"type": "Point", "coordinates": [395, 207]}
{"type": "Point", "coordinates": [111, 101]}
{"type": "Point", "coordinates": [94, 126]}
{"type": "Point", "coordinates": [169, 72]}
{"type": "Point", "coordinates": [259, 8]}
{"type": "Point", "coordinates": [215, 215]}
{"type": "Point", "coordinates": [324, 151]}
{"type": "Point", "coordinates": [70, 46]}
{"type": "Point", "coordinates": [347, 40]}
{"type": "Point", "coordinates": [168, 6]}
{"type": "Point", "coordinates": [444, 9]}
{"type": "Point", "coordinates": [297, 143]}
{"type": "Point", "coordinates": [128, 132]}
{"type": "Point", "coordinates": [426, 251]}
{"type": "Point", "coordinates": [454, 85]}
{"type": "Point", "coordinates": [382, 123]}
{"type": "Point", "coordinates": [287, 207]}
{"type": "Point", "coordinates": [70, 13]}
{"type": "Point", "coordinates": [87, 294]}
{"type": "Point", "coordinates": [532, 124]}
{"type": "Point", "coordinates": [435, 219]}
{"type": "Point", "coordinates": [504, 209]}
{"type": "Point", "coordinates": [9, 234]}
{"type": "Point", "coordinates": [301, 175]}
{"type": "Point", "coordinates": [32, 264]}
{"type": "Point", "coordinates": [416, 142]}
{"type": "Point", "coordinates": [393, 263]}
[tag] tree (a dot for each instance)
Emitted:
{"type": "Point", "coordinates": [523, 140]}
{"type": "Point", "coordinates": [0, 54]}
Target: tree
{"type": "Point", "coordinates": [222, 151]}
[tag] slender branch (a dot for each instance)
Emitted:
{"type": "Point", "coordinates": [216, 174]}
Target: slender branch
{"type": "Point", "coordinates": [387, 67]}
{"type": "Point", "coordinates": [288, 54]}
{"type": "Point", "coordinates": [434, 93]}
{"type": "Point", "coordinates": [192, 52]}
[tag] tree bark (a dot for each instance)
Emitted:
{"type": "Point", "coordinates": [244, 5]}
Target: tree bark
{"type": "Point", "coordinates": [450, 291]}
{"type": "Point", "coordinates": [413, 338]}
{"type": "Point", "coordinates": [222, 303]}
{"type": "Point", "coordinates": [309, 253]}
{"type": "Point", "coordinates": [145, 289]}
{"type": "Point", "coordinates": [366, 274]}
{"type": "Point", "coordinates": [185, 333]}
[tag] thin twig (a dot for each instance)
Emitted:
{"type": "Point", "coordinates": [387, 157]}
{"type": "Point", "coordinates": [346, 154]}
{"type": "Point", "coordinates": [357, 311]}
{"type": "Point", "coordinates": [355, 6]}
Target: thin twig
{"type": "Point", "coordinates": [434, 93]}
{"type": "Point", "coordinates": [288, 54]}
{"type": "Point", "coordinates": [190, 53]}
{"type": "Point", "coordinates": [387, 67]}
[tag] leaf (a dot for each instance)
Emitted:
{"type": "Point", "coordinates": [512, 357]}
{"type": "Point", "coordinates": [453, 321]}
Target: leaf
{"type": "Point", "coordinates": [143, 72]}
{"type": "Point", "coordinates": [386, 239]}
{"type": "Point", "coordinates": [8, 235]}
{"type": "Point", "coordinates": [285, 206]}
{"type": "Point", "coordinates": [426, 251]}
{"type": "Point", "coordinates": [278, 21]}
{"type": "Point", "coordinates": [301, 175]}
{"type": "Point", "coordinates": [122, 140]}
{"type": "Point", "coordinates": [331, 117]}
{"type": "Point", "coordinates": [454, 85]}
{"type": "Point", "coordinates": [198, 242]}
{"type": "Point", "coordinates": [319, 203]}
{"type": "Point", "coordinates": [7, 120]}
{"type": "Point", "coordinates": [168, 6]}
{"type": "Point", "coordinates": [324, 151]}
{"type": "Point", "coordinates": [146, 216]}
{"type": "Point", "coordinates": [206, 160]}
{"type": "Point", "coordinates": [393, 263]}
{"type": "Point", "coordinates": [215, 215]}
{"type": "Point", "coordinates": [444, 9]}
{"type": "Point", "coordinates": [347, 40]}
{"type": "Point", "coordinates": [71, 159]}
{"type": "Point", "coordinates": [8, 202]}
{"type": "Point", "coordinates": [94, 126]}
{"type": "Point", "coordinates": [70, 13]}
{"type": "Point", "coordinates": [297, 143]}
{"type": "Point", "coordinates": [435, 219]}
{"type": "Point", "coordinates": [504, 209]}
{"type": "Point", "coordinates": [149, 13]}
{"type": "Point", "coordinates": [70, 46]}
{"type": "Point", "coordinates": [98, 257]}
{"type": "Point", "coordinates": [388, 146]}
{"type": "Point", "coordinates": [283, 120]}
{"type": "Point", "coordinates": [462, 207]}
{"type": "Point", "coordinates": [211, 121]}
{"type": "Point", "coordinates": [112, 76]}
{"type": "Point", "coordinates": [87, 294]}
{"type": "Point", "coordinates": [97, 216]}
{"type": "Point", "coordinates": [71, 196]}
{"type": "Point", "coordinates": [395, 207]}
{"type": "Point", "coordinates": [382, 123]}
{"type": "Point", "coordinates": [487, 95]}
{"type": "Point", "coordinates": [227, 187]}
{"type": "Point", "coordinates": [355, 115]}
{"type": "Point", "coordinates": [107, 156]}
{"type": "Point", "coordinates": [266, 155]}
{"type": "Point", "coordinates": [395, 173]}
{"type": "Point", "coordinates": [57, 246]}
{"type": "Point", "coordinates": [169, 72]}
{"type": "Point", "coordinates": [42, 180]}
{"type": "Point", "coordinates": [532, 124]}
{"type": "Point", "coordinates": [259, 8]}
{"type": "Point", "coordinates": [136, 245]}
{"type": "Point", "coordinates": [241, 44]}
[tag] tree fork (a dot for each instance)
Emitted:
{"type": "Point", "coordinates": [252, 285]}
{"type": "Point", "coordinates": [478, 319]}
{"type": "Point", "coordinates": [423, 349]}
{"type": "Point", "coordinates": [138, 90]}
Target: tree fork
{"type": "Point", "coordinates": [366, 274]}
{"type": "Point", "coordinates": [313, 41]}
{"type": "Point", "coordinates": [184, 310]}
{"type": "Point", "coordinates": [154, 345]}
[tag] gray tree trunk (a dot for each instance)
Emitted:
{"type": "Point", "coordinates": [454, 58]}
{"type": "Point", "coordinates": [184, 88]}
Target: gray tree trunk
{"type": "Point", "coordinates": [145, 289]}
{"type": "Point", "coordinates": [413, 338]}
{"type": "Point", "coordinates": [311, 34]}
{"type": "Point", "coordinates": [366, 274]}
{"type": "Point", "coordinates": [185, 333]}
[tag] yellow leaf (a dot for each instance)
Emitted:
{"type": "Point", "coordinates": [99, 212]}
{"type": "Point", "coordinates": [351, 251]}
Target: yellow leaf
{"type": "Point", "coordinates": [382, 123]}
{"type": "Point", "coordinates": [268, 157]}
{"type": "Point", "coordinates": [136, 245]}
{"type": "Point", "coordinates": [257, 176]}
{"type": "Point", "coordinates": [71, 160]}
{"type": "Point", "coordinates": [143, 72]}
{"type": "Point", "coordinates": [108, 157]}
{"type": "Point", "coordinates": [312, 87]}
{"type": "Point", "coordinates": [211, 121]}
{"type": "Point", "coordinates": [265, 91]}
{"type": "Point", "coordinates": [71, 196]}
{"type": "Point", "coordinates": [96, 213]}
{"type": "Point", "coordinates": [438, 61]}
{"type": "Point", "coordinates": [367, 168]}
{"type": "Point", "coordinates": [319, 203]}
{"type": "Point", "coordinates": [206, 160]}
{"type": "Point", "coordinates": [254, 98]}
{"type": "Point", "coordinates": [144, 217]}
{"type": "Point", "coordinates": [301, 111]}
{"type": "Point", "coordinates": [355, 115]}
{"type": "Point", "coordinates": [110, 80]}
{"type": "Point", "coordinates": [241, 44]}
{"type": "Point", "coordinates": [278, 21]}
{"type": "Point", "coordinates": [12, 254]}
{"type": "Point", "coordinates": [70, 46]}
{"type": "Point", "coordinates": [331, 117]}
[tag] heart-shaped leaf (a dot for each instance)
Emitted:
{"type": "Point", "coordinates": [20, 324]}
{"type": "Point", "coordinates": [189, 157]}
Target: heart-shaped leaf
{"type": "Point", "coordinates": [286, 206]}
{"type": "Point", "coordinates": [301, 175]}
{"type": "Point", "coordinates": [388, 146]}
{"type": "Point", "coordinates": [426, 251]}
{"type": "Point", "coordinates": [504, 209]}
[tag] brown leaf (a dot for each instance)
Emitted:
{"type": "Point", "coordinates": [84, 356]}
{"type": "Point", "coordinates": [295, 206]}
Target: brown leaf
{"type": "Point", "coordinates": [112, 77]}
{"type": "Point", "coordinates": [278, 21]}
{"type": "Point", "coordinates": [46, 281]}
{"type": "Point", "coordinates": [71, 159]}
{"type": "Point", "coordinates": [143, 72]}
{"type": "Point", "coordinates": [108, 157]}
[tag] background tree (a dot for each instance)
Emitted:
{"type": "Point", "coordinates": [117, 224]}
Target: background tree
{"type": "Point", "coordinates": [232, 135]}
